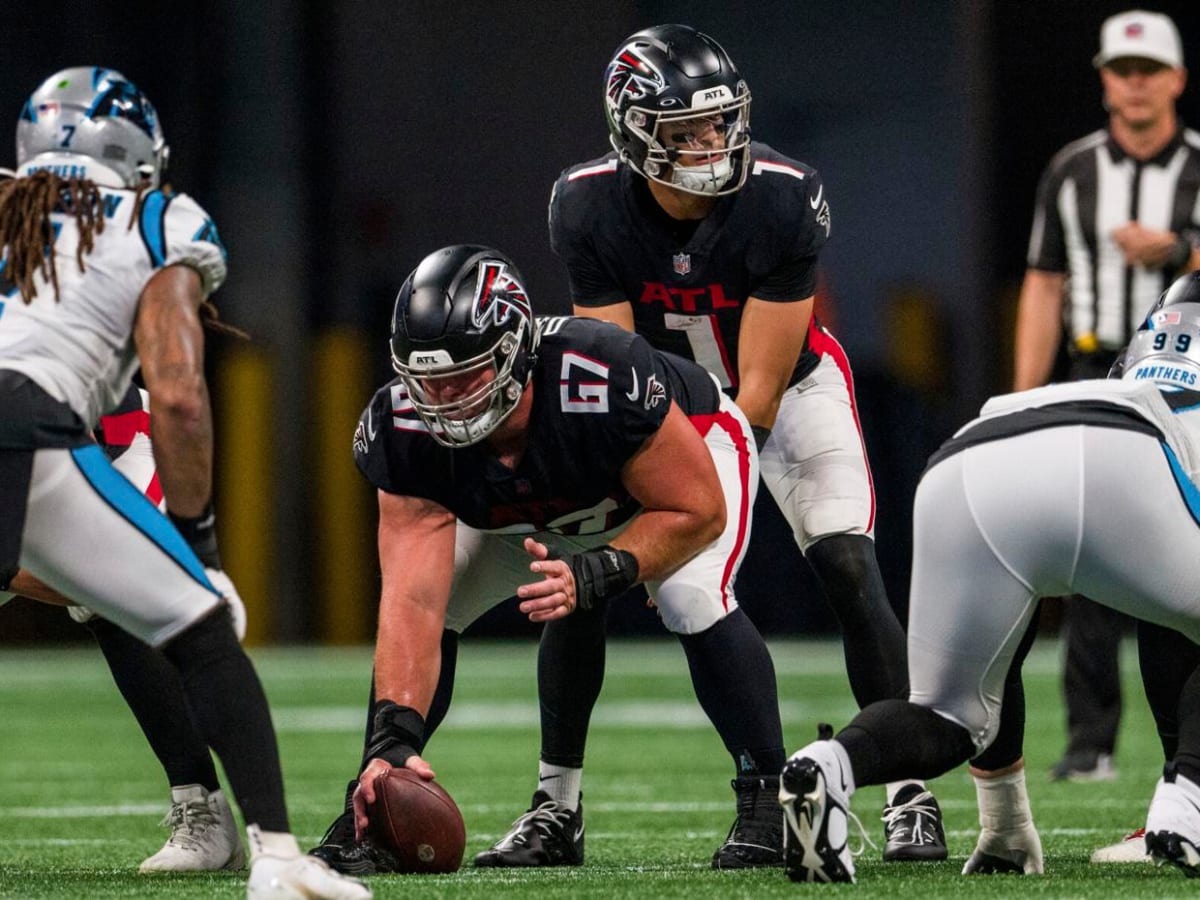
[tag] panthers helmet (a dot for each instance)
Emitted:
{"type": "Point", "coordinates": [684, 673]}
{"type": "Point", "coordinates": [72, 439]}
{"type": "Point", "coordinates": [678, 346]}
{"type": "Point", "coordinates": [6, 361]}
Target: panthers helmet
{"type": "Point", "coordinates": [1166, 348]}
{"type": "Point", "coordinates": [672, 74]}
{"type": "Point", "coordinates": [461, 314]}
{"type": "Point", "coordinates": [91, 122]}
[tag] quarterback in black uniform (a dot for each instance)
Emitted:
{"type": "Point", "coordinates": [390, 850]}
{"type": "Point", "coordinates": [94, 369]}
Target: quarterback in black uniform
{"type": "Point", "coordinates": [706, 244]}
{"type": "Point", "coordinates": [565, 448]}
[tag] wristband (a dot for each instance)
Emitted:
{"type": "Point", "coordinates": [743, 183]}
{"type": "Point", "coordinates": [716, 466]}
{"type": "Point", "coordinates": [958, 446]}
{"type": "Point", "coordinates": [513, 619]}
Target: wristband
{"type": "Point", "coordinates": [1180, 253]}
{"type": "Point", "coordinates": [602, 573]}
{"type": "Point", "coordinates": [399, 733]}
{"type": "Point", "coordinates": [761, 433]}
{"type": "Point", "coordinates": [201, 534]}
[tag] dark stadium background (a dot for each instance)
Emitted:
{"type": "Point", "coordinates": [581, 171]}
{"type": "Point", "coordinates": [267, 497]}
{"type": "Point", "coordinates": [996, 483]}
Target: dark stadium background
{"type": "Point", "coordinates": [337, 143]}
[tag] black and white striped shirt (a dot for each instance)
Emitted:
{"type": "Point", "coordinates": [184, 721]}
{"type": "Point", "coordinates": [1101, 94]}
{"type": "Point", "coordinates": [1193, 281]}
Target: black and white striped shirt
{"type": "Point", "coordinates": [1091, 188]}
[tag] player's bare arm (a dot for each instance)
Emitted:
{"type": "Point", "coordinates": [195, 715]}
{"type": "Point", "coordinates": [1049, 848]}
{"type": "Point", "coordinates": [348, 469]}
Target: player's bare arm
{"type": "Point", "coordinates": [1039, 328]}
{"type": "Point", "coordinates": [170, 344]}
{"type": "Point", "coordinates": [617, 313]}
{"type": "Point", "coordinates": [683, 510]}
{"type": "Point", "coordinates": [416, 558]}
{"type": "Point", "coordinates": [770, 339]}
{"type": "Point", "coordinates": [25, 584]}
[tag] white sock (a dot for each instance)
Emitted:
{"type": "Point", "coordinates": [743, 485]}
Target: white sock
{"type": "Point", "coordinates": [280, 844]}
{"type": "Point", "coordinates": [561, 784]}
{"type": "Point", "coordinates": [1003, 802]}
{"type": "Point", "coordinates": [894, 787]}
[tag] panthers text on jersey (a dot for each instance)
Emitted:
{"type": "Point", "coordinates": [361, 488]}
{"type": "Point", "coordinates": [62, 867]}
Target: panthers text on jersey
{"type": "Point", "coordinates": [688, 286]}
{"type": "Point", "coordinates": [79, 347]}
{"type": "Point", "coordinates": [598, 394]}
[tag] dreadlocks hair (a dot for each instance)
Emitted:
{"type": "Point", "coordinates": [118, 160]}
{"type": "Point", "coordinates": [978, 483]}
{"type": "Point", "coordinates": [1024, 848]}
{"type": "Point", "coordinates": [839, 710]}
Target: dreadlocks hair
{"type": "Point", "coordinates": [27, 234]}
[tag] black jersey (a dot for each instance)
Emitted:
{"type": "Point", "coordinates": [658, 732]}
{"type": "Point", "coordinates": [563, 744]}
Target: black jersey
{"type": "Point", "coordinates": [687, 287]}
{"type": "Point", "coordinates": [599, 393]}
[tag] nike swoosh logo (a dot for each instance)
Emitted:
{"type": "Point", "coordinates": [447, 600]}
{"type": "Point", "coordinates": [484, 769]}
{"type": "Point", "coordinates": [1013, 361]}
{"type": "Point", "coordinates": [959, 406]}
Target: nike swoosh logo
{"type": "Point", "coordinates": [816, 201]}
{"type": "Point", "coordinates": [579, 833]}
{"type": "Point", "coordinates": [633, 395]}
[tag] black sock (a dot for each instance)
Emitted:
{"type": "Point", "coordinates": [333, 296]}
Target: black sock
{"type": "Point", "coordinates": [570, 674]}
{"type": "Point", "coordinates": [154, 694]}
{"type": "Point", "coordinates": [894, 740]}
{"type": "Point", "coordinates": [1009, 743]}
{"type": "Point", "coordinates": [231, 712]}
{"type": "Point", "coordinates": [734, 680]}
{"type": "Point", "coordinates": [872, 637]}
{"type": "Point", "coordinates": [1186, 758]}
{"type": "Point", "coordinates": [1167, 660]}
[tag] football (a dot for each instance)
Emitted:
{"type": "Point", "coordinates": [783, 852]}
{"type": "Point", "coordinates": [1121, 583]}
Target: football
{"type": "Point", "coordinates": [417, 821]}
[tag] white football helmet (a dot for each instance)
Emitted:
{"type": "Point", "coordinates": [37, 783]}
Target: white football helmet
{"type": "Point", "coordinates": [90, 122]}
{"type": "Point", "coordinates": [1166, 348]}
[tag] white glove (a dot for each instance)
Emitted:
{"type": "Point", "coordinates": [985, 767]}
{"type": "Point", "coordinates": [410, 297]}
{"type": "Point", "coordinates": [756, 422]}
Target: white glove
{"type": "Point", "coordinates": [237, 609]}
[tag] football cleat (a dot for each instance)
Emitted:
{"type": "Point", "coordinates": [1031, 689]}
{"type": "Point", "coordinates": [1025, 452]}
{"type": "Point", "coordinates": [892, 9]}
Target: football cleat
{"type": "Point", "coordinates": [912, 825]}
{"type": "Point", "coordinates": [1130, 849]}
{"type": "Point", "coordinates": [548, 834]}
{"type": "Point", "coordinates": [342, 853]}
{"type": "Point", "coordinates": [756, 836]}
{"type": "Point", "coordinates": [204, 836]}
{"type": "Point", "coordinates": [1017, 851]}
{"type": "Point", "coordinates": [1084, 765]}
{"type": "Point", "coordinates": [280, 878]}
{"type": "Point", "coordinates": [815, 798]}
{"type": "Point", "coordinates": [1173, 823]}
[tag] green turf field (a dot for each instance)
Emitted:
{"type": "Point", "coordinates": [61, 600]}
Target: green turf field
{"type": "Point", "coordinates": [81, 795]}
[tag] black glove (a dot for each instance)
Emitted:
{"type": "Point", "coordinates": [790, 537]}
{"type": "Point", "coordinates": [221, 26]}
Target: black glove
{"type": "Point", "coordinates": [398, 734]}
{"type": "Point", "coordinates": [201, 534]}
{"type": "Point", "coordinates": [602, 573]}
{"type": "Point", "coordinates": [761, 433]}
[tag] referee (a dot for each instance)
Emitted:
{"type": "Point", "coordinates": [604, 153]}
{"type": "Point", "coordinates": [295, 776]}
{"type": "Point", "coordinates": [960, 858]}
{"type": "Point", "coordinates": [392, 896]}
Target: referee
{"type": "Point", "coordinates": [1117, 219]}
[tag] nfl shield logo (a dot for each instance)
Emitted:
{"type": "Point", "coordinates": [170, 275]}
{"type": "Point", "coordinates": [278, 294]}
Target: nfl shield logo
{"type": "Point", "coordinates": [682, 263]}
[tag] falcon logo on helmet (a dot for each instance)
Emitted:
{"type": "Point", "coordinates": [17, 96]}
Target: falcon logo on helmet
{"type": "Point", "coordinates": [498, 295]}
{"type": "Point", "coordinates": [631, 76]}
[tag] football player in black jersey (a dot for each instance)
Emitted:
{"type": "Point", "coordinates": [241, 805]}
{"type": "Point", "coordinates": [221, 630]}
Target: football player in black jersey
{"type": "Point", "coordinates": [706, 243]}
{"type": "Point", "coordinates": [562, 460]}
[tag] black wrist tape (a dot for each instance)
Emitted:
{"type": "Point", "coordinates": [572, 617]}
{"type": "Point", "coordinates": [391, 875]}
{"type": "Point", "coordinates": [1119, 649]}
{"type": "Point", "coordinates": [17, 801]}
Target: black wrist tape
{"type": "Point", "coordinates": [1180, 253]}
{"type": "Point", "coordinates": [761, 433]}
{"type": "Point", "coordinates": [201, 534]}
{"type": "Point", "coordinates": [398, 734]}
{"type": "Point", "coordinates": [602, 573]}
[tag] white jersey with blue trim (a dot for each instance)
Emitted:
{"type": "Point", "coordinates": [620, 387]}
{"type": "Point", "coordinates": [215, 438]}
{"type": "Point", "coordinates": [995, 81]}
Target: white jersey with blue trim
{"type": "Point", "coordinates": [1175, 412]}
{"type": "Point", "coordinates": [79, 347]}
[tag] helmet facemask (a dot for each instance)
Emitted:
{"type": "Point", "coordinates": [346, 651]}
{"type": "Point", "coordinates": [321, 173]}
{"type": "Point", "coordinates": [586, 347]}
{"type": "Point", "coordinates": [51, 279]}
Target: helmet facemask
{"type": "Point", "coordinates": [464, 401]}
{"type": "Point", "coordinates": [670, 153]}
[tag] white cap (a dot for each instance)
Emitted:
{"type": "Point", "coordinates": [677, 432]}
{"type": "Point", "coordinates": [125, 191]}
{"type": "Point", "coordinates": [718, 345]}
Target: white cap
{"type": "Point", "coordinates": [1139, 33]}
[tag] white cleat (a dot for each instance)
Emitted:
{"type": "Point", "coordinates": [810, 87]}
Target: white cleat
{"type": "Point", "coordinates": [300, 878]}
{"type": "Point", "coordinates": [204, 835]}
{"type": "Point", "coordinates": [1173, 824]}
{"type": "Point", "coordinates": [815, 797]}
{"type": "Point", "coordinates": [1130, 849]}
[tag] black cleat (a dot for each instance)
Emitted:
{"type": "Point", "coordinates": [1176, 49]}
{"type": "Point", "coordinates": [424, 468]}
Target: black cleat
{"type": "Point", "coordinates": [912, 826]}
{"type": "Point", "coordinates": [342, 853]}
{"type": "Point", "coordinates": [755, 839]}
{"type": "Point", "coordinates": [547, 835]}
{"type": "Point", "coordinates": [1171, 847]}
{"type": "Point", "coordinates": [816, 812]}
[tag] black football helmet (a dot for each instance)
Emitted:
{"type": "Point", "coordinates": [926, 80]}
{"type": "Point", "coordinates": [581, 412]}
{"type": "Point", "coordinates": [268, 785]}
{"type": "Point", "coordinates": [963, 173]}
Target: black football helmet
{"type": "Point", "coordinates": [670, 74]}
{"type": "Point", "coordinates": [1166, 348]}
{"type": "Point", "coordinates": [462, 312]}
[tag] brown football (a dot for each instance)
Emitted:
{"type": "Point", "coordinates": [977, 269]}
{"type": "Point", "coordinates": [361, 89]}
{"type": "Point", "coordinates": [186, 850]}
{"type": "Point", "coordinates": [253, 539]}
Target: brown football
{"type": "Point", "coordinates": [417, 821]}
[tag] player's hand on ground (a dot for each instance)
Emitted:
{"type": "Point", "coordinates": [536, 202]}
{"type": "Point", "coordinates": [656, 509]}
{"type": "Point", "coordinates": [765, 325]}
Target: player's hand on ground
{"type": "Point", "coordinates": [364, 794]}
{"type": "Point", "coordinates": [554, 595]}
